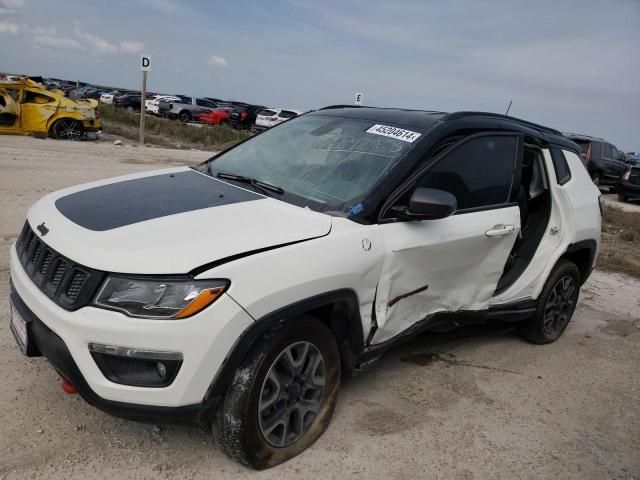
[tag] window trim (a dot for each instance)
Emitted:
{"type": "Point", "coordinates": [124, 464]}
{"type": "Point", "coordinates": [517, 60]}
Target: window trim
{"type": "Point", "coordinates": [427, 165]}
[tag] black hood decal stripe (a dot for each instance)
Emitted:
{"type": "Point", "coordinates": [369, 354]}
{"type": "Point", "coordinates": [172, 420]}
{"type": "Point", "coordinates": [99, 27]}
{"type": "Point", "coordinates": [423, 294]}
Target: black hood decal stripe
{"type": "Point", "coordinates": [132, 201]}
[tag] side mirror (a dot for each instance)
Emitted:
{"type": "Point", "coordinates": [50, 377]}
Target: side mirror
{"type": "Point", "coordinates": [428, 204]}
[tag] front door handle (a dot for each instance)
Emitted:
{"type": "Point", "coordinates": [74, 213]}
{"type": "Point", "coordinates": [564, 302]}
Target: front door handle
{"type": "Point", "coordinates": [500, 230]}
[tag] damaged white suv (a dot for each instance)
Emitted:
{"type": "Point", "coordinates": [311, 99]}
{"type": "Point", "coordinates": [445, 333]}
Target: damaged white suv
{"type": "Point", "coordinates": [238, 292]}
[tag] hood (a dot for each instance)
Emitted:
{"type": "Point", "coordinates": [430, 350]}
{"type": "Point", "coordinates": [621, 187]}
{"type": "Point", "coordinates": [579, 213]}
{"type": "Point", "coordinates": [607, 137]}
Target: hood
{"type": "Point", "coordinates": [167, 222]}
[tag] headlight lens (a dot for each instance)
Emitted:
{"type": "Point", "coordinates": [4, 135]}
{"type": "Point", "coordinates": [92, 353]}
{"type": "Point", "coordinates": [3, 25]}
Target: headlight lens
{"type": "Point", "coordinates": [158, 299]}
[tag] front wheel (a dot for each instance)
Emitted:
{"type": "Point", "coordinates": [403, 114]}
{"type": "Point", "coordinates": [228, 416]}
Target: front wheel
{"type": "Point", "coordinates": [67, 129]}
{"type": "Point", "coordinates": [555, 305]}
{"type": "Point", "coordinates": [282, 397]}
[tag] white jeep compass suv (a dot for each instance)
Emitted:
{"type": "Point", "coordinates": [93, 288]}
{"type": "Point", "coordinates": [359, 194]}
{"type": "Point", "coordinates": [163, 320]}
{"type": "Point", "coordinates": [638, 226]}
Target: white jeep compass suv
{"type": "Point", "coordinates": [238, 292]}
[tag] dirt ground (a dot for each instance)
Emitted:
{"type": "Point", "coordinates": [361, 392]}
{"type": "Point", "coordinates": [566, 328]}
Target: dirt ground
{"type": "Point", "coordinates": [478, 403]}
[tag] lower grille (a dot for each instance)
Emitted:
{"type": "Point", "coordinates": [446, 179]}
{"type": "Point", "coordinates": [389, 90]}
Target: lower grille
{"type": "Point", "coordinates": [66, 282]}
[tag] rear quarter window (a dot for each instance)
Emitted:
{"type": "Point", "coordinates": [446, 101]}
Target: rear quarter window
{"type": "Point", "coordinates": [266, 113]}
{"type": "Point", "coordinates": [560, 165]}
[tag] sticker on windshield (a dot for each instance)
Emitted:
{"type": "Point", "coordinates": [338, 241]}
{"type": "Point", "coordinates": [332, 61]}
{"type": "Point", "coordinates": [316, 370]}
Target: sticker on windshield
{"type": "Point", "coordinates": [394, 132]}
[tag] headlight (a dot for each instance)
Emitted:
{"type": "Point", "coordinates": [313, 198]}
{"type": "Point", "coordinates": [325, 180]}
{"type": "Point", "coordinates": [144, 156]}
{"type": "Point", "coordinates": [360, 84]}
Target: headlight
{"type": "Point", "coordinates": [158, 299]}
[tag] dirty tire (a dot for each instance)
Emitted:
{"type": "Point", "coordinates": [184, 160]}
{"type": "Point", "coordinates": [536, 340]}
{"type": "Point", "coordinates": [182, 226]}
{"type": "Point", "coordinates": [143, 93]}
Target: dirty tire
{"type": "Point", "coordinates": [67, 129]}
{"type": "Point", "coordinates": [622, 198]}
{"type": "Point", "coordinates": [555, 305]}
{"type": "Point", "coordinates": [238, 425]}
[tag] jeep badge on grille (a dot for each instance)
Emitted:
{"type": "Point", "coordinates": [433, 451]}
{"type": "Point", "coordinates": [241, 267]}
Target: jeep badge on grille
{"type": "Point", "coordinates": [42, 229]}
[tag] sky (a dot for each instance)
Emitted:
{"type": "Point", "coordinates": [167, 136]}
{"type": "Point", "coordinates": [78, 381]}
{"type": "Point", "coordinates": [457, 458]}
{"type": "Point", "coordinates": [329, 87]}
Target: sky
{"type": "Point", "coordinates": [573, 65]}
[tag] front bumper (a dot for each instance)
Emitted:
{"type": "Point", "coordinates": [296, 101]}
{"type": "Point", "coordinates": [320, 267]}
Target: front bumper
{"type": "Point", "coordinates": [204, 341]}
{"type": "Point", "coordinates": [629, 189]}
{"type": "Point", "coordinates": [44, 342]}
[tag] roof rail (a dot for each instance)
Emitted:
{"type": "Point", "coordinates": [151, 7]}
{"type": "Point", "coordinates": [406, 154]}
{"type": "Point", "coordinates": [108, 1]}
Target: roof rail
{"type": "Point", "coordinates": [582, 135]}
{"type": "Point", "coordinates": [535, 126]}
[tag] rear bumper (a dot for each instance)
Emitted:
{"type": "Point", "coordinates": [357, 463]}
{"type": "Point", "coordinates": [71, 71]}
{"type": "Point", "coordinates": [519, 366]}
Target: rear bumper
{"type": "Point", "coordinates": [44, 342]}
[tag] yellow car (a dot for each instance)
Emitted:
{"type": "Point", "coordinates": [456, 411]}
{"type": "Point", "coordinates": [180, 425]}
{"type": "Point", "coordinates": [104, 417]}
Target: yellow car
{"type": "Point", "coordinates": [28, 108]}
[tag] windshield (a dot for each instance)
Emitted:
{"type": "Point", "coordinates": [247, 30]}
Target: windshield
{"type": "Point", "coordinates": [326, 163]}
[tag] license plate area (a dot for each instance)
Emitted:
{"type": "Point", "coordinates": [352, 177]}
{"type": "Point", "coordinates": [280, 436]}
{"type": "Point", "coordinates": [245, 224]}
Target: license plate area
{"type": "Point", "coordinates": [19, 328]}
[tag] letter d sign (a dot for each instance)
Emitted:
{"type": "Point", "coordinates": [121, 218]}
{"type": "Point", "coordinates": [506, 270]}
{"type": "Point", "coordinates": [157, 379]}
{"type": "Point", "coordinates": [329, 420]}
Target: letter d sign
{"type": "Point", "coordinates": [145, 63]}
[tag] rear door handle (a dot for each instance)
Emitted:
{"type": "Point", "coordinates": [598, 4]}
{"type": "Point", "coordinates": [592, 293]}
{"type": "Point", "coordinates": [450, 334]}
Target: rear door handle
{"type": "Point", "coordinates": [500, 230]}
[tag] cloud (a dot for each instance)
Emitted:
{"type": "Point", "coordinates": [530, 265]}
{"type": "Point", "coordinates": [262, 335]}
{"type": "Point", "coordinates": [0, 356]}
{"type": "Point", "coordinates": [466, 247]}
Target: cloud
{"type": "Point", "coordinates": [95, 41]}
{"type": "Point", "coordinates": [164, 6]}
{"type": "Point", "coordinates": [51, 31]}
{"type": "Point", "coordinates": [8, 27]}
{"type": "Point", "coordinates": [10, 6]}
{"type": "Point", "coordinates": [57, 42]}
{"type": "Point", "coordinates": [131, 47]}
{"type": "Point", "coordinates": [217, 61]}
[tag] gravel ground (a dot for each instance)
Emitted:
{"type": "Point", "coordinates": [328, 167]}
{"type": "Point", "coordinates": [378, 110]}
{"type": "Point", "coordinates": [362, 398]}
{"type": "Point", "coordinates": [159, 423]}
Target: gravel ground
{"type": "Point", "coordinates": [475, 403]}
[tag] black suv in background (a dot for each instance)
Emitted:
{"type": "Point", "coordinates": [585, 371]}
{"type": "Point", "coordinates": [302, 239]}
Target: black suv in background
{"type": "Point", "coordinates": [603, 160]}
{"type": "Point", "coordinates": [243, 115]}
{"type": "Point", "coordinates": [129, 100]}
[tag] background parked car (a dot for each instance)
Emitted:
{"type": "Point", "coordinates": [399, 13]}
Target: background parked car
{"type": "Point", "coordinates": [107, 97]}
{"type": "Point", "coordinates": [603, 160]}
{"type": "Point", "coordinates": [188, 108]}
{"type": "Point", "coordinates": [269, 117]}
{"type": "Point", "coordinates": [130, 101]}
{"type": "Point", "coordinates": [629, 187]}
{"type": "Point", "coordinates": [153, 105]}
{"type": "Point", "coordinates": [219, 116]}
{"type": "Point", "coordinates": [243, 115]}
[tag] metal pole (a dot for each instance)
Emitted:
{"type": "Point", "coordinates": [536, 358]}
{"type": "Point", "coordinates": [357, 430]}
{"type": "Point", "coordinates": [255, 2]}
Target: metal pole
{"type": "Point", "coordinates": [142, 99]}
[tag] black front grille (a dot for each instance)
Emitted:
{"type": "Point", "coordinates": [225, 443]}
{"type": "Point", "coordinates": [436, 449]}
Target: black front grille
{"type": "Point", "coordinates": [67, 283]}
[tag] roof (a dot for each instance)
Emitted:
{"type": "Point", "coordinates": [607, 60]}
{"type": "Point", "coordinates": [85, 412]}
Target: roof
{"type": "Point", "coordinates": [424, 120]}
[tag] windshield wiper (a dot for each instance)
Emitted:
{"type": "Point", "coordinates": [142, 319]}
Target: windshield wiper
{"type": "Point", "coordinates": [251, 181]}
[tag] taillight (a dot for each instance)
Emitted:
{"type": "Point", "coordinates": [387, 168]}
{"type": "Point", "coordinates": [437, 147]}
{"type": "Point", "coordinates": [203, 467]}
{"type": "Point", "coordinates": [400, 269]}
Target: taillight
{"type": "Point", "coordinates": [243, 115]}
{"type": "Point", "coordinates": [587, 156]}
{"type": "Point", "coordinates": [626, 174]}
{"type": "Point", "coordinates": [601, 204]}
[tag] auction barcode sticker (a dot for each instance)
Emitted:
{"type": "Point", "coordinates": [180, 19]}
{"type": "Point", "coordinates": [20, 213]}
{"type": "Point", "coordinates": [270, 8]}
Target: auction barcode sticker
{"type": "Point", "coordinates": [394, 132]}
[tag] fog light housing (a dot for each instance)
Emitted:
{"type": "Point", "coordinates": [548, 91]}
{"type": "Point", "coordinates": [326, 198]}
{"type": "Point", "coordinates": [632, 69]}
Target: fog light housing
{"type": "Point", "coordinates": [136, 367]}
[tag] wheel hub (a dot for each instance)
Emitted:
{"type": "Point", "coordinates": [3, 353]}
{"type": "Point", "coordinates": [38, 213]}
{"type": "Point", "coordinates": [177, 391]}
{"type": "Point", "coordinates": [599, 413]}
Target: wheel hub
{"type": "Point", "coordinates": [291, 394]}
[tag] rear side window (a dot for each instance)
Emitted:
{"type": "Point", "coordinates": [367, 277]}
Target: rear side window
{"type": "Point", "coordinates": [479, 172]}
{"type": "Point", "coordinates": [607, 152]}
{"type": "Point", "coordinates": [560, 165]}
{"type": "Point", "coordinates": [287, 114]}
{"type": "Point", "coordinates": [186, 100]}
{"type": "Point", "coordinates": [266, 113]}
{"type": "Point", "coordinates": [584, 146]}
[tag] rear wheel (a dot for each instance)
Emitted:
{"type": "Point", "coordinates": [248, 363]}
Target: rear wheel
{"type": "Point", "coordinates": [184, 116]}
{"type": "Point", "coordinates": [282, 397]}
{"type": "Point", "coordinates": [67, 129]}
{"type": "Point", "coordinates": [555, 305]}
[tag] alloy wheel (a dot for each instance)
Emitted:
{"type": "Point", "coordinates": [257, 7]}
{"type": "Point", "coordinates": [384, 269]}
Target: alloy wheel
{"type": "Point", "coordinates": [558, 309]}
{"type": "Point", "coordinates": [68, 129]}
{"type": "Point", "coordinates": [291, 394]}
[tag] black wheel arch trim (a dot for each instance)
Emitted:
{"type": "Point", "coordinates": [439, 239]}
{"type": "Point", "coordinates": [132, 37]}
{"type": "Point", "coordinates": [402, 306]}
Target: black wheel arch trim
{"type": "Point", "coordinates": [574, 253]}
{"type": "Point", "coordinates": [347, 316]}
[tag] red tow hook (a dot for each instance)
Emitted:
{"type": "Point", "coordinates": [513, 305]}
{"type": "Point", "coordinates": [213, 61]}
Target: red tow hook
{"type": "Point", "coordinates": [68, 387]}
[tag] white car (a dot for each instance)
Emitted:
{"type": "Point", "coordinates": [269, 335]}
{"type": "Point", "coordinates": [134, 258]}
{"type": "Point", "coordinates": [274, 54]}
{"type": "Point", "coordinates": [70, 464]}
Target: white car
{"type": "Point", "coordinates": [107, 97]}
{"type": "Point", "coordinates": [152, 105]}
{"type": "Point", "coordinates": [236, 293]}
{"type": "Point", "coordinates": [270, 117]}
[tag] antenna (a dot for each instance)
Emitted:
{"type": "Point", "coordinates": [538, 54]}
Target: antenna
{"type": "Point", "coordinates": [508, 108]}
